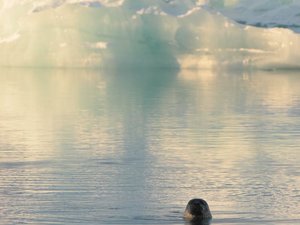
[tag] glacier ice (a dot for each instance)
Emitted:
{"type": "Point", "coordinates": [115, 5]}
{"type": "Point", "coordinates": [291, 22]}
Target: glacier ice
{"type": "Point", "coordinates": [158, 33]}
{"type": "Point", "coordinates": [263, 13]}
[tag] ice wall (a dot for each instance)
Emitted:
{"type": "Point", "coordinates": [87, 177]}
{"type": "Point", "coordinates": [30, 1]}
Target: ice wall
{"type": "Point", "coordinates": [130, 33]}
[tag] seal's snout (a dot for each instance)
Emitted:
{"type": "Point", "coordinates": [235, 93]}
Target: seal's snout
{"type": "Point", "coordinates": [197, 209]}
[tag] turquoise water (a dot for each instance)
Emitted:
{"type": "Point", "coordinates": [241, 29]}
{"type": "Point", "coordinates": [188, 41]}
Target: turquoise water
{"type": "Point", "coordinates": [132, 147]}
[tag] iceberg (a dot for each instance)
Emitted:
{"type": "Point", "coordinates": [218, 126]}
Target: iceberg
{"type": "Point", "coordinates": [185, 34]}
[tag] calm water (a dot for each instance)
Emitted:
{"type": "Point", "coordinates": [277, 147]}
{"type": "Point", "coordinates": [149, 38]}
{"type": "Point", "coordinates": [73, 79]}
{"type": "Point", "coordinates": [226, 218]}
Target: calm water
{"type": "Point", "coordinates": [90, 147]}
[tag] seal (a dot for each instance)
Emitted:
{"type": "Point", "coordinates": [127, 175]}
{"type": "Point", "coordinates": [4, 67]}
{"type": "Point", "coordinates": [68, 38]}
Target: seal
{"type": "Point", "coordinates": [197, 210]}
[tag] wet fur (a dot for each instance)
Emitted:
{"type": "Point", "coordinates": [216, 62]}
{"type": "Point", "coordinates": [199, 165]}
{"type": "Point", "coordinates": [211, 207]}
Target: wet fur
{"type": "Point", "coordinates": [197, 210]}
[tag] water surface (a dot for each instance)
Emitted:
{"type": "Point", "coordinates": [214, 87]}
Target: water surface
{"type": "Point", "coordinates": [90, 147]}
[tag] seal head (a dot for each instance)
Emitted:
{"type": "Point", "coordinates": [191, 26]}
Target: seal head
{"type": "Point", "coordinates": [197, 210]}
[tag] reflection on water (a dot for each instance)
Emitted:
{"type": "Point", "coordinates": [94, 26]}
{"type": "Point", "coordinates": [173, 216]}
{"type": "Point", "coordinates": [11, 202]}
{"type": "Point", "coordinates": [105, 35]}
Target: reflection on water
{"type": "Point", "coordinates": [90, 147]}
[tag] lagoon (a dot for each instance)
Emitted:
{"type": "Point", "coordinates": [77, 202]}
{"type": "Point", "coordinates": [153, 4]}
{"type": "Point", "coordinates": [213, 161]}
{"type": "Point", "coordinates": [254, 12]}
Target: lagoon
{"type": "Point", "coordinates": [132, 147]}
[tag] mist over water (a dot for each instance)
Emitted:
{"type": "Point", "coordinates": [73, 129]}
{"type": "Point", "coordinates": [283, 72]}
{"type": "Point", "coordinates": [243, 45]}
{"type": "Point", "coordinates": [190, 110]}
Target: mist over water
{"type": "Point", "coordinates": [132, 147]}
